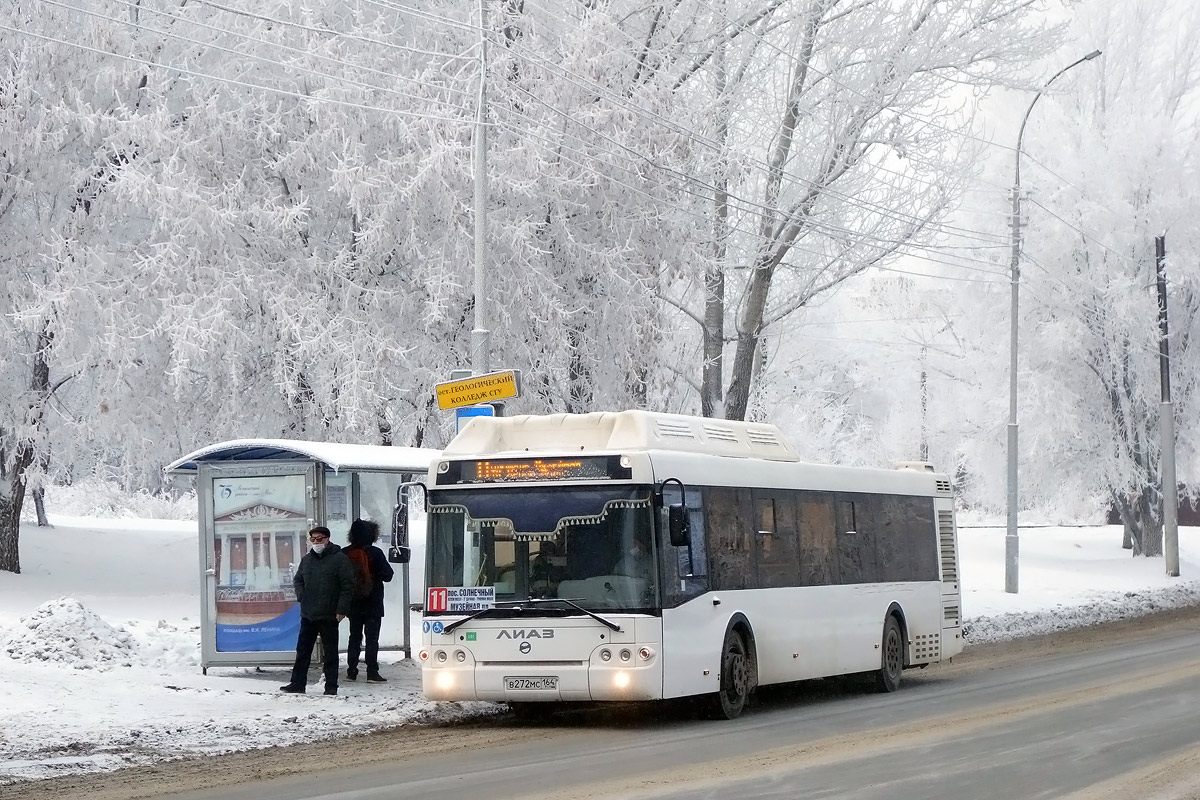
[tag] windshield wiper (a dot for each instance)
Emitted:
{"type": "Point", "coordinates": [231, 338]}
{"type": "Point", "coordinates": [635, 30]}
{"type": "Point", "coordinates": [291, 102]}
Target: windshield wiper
{"type": "Point", "coordinates": [518, 606]}
{"type": "Point", "coordinates": [483, 612]}
{"type": "Point", "coordinates": [612, 625]}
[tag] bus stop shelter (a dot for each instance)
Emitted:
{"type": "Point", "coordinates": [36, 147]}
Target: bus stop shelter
{"type": "Point", "coordinates": [257, 500]}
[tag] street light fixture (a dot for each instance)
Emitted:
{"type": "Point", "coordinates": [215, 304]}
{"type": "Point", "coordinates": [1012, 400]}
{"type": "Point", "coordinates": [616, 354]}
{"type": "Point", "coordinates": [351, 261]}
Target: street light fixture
{"type": "Point", "coordinates": [1011, 540]}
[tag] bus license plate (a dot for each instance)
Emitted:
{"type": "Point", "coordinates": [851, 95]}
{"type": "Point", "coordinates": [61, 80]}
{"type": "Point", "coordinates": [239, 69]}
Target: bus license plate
{"type": "Point", "coordinates": [542, 683]}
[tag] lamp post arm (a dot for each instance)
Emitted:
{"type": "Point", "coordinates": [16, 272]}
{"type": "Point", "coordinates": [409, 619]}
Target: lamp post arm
{"type": "Point", "coordinates": [1033, 102]}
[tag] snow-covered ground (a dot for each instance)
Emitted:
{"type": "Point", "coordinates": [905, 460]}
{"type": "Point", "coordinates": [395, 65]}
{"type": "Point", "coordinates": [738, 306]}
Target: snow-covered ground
{"type": "Point", "coordinates": [99, 642]}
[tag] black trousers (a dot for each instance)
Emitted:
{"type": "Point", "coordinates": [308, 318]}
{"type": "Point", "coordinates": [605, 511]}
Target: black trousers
{"type": "Point", "coordinates": [360, 627]}
{"type": "Point", "coordinates": [310, 629]}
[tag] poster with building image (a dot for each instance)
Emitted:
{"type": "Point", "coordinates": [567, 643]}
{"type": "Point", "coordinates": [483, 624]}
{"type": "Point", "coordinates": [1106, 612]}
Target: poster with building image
{"type": "Point", "coordinates": [260, 533]}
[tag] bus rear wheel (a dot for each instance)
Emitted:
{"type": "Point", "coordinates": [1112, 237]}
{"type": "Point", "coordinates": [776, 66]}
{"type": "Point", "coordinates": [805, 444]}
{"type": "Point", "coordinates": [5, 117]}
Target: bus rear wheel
{"type": "Point", "coordinates": [891, 660]}
{"type": "Point", "coordinates": [736, 679]}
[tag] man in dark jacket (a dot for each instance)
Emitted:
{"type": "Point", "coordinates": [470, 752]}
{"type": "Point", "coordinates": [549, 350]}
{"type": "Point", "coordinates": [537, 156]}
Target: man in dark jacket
{"type": "Point", "coordinates": [366, 613]}
{"type": "Point", "coordinates": [324, 584]}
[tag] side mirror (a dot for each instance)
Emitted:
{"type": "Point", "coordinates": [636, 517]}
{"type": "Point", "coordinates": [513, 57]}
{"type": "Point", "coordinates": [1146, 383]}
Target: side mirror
{"type": "Point", "coordinates": [399, 555]}
{"type": "Point", "coordinates": [678, 525]}
{"type": "Point", "coordinates": [400, 524]}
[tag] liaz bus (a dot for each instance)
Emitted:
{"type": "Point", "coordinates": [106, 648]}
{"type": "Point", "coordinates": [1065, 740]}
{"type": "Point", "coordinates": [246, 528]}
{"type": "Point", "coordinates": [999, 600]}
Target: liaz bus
{"type": "Point", "coordinates": [632, 556]}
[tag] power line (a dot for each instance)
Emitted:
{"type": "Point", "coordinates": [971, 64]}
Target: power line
{"type": "Point", "coordinates": [264, 59]}
{"type": "Point", "coordinates": [244, 84]}
{"type": "Point", "coordinates": [351, 37]}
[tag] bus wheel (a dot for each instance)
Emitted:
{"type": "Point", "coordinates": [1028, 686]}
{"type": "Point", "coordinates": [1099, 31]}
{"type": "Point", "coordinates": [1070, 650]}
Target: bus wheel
{"type": "Point", "coordinates": [892, 658]}
{"type": "Point", "coordinates": [735, 678]}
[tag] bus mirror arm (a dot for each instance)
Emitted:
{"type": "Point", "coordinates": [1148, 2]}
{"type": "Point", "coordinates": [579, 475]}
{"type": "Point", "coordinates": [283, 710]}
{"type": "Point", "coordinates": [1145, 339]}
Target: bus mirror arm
{"type": "Point", "coordinates": [677, 525]}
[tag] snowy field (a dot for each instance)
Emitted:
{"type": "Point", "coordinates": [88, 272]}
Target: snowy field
{"type": "Point", "coordinates": [99, 642]}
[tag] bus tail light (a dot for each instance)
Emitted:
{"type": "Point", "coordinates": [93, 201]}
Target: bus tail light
{"type": "Point", "coordinates": [645, 653]}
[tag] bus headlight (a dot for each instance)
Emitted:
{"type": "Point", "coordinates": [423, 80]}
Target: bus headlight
{"type": "Point", "coordinates": [445, 680]}
{"type": "Point", "coordinates": [621, 680]}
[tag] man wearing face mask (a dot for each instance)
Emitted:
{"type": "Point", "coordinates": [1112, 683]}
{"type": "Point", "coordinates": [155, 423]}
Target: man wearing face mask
{"type": "Point", "coordinates": [324, 584]}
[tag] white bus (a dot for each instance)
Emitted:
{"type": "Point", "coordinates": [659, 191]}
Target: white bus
{"type": "Point", "coordinates": [756, 568]}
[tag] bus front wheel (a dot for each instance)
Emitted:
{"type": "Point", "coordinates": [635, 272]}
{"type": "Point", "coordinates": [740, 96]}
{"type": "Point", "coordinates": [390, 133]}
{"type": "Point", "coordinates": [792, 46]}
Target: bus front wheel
{"type": "Point", "coordinates": [736, 679]}
{"type": "Point", "coordinates": [891, 662]}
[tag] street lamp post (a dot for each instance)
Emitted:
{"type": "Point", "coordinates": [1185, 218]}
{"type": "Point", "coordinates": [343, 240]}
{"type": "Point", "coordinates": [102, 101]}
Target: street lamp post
{"type": "Point", "coordinates": [1011, 541]}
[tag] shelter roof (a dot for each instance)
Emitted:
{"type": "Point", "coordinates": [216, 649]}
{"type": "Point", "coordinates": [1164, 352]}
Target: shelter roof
{"type": "Point", "coordinates": [334, 455]}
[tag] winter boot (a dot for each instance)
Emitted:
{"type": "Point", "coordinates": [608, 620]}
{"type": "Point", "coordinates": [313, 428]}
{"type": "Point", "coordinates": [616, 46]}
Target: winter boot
{"type": "Point", "coordinates": [292, 688]}
{"type": "Point", "coordinates": [374, 677]}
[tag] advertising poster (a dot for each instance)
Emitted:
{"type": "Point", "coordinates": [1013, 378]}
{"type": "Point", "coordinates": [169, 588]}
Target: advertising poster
{"type": "Point", "coordinates": [260, 533]}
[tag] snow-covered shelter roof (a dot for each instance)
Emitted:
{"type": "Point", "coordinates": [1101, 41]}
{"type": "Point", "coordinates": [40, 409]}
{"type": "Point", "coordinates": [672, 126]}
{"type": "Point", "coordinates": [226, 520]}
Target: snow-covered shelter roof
{"type": "Point", "coordinates": [335, 456]}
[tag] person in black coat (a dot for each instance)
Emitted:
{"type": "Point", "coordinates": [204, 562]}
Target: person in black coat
{"type": "Point", "coordinates": [366, 613]}
{"type": "Point", "coordinates": [324, 584]}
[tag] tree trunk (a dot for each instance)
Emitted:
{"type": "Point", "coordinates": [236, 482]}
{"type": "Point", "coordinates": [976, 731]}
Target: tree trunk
{"type": "Point", "coordinates": [10, 534]}
{"type": "Point", "coordinates": [1151, 522]}
{"type": "Point", "coordinates": [12, 500]}
{"type": "Point", "coordinates": [39, 505]}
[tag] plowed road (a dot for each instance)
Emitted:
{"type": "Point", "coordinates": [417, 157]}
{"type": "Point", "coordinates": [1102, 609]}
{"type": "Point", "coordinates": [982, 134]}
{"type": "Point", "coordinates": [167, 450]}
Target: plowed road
{"type": "Point", "coordinates": [1107, 712]}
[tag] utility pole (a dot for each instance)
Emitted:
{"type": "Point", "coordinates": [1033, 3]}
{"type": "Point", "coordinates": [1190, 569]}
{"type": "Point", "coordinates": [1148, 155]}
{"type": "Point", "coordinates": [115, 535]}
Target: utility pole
{"type": "Point", "coordinates": [481, 334]}
{"type": "Point", "coordinates": [924, 404]}
{"type": "Point", "coordinates": [1166, 419]}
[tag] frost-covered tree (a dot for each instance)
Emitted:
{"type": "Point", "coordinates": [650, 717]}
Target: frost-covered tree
{"type": "Point", "coordinates": [214, 225]}
{"type": "Point", "coordinates": [69, 125]}
{"type": "Point", "coordinates": [1112, 166]}
{"type": "Point", "coordinates": [840, 132]}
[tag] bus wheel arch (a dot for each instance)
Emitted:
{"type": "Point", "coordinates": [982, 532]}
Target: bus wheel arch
{"type": "Point", "coordinates": [893, 657]}
{"type": "Point", "coordinates": [738, 665]}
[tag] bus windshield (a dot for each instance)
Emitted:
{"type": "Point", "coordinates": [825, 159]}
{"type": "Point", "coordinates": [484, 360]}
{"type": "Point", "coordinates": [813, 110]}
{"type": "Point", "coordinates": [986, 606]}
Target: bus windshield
{"type": "Point", "coordinates": [590, 545]}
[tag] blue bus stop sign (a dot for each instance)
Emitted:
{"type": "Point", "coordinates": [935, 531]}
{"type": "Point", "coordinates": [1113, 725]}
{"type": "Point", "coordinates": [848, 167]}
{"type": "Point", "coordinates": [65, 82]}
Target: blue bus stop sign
{"type": "Point", "coordinates": [463, 415]}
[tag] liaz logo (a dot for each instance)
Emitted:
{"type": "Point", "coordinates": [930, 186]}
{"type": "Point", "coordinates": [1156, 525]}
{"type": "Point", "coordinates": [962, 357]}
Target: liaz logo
{"type": "Point", "coordinates": [532, 633]}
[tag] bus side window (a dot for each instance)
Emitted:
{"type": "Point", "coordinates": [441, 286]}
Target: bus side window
{"type": "Point", "coordinates": [730, 518]}
{"type": "Point", "coordinates": [818, 539]}
{"type": "Point", "coordinates": [684, 567]}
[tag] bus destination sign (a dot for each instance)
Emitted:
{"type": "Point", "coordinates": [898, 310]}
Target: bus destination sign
{"type": "Point", "coordinates": [529, 470]}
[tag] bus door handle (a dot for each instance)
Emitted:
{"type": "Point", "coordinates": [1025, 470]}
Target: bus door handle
{"type": "Point", "coordinates": [716, 601]}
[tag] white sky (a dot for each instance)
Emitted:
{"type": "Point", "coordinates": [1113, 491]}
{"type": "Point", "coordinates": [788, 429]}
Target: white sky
{"type": "Point", "coordinates": [99, 642]}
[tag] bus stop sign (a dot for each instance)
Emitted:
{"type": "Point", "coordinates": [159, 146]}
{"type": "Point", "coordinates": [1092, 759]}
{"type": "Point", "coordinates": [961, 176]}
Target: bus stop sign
{"type": "Point", "coordinates": [464, 415]}
{"type": "Point", "coordinates": [477, 389]}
